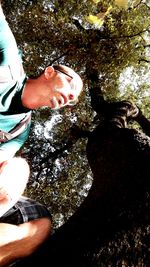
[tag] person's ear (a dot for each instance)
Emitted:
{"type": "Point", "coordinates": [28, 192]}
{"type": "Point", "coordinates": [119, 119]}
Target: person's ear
{"type": "Point", "coordinates": [48, 72]}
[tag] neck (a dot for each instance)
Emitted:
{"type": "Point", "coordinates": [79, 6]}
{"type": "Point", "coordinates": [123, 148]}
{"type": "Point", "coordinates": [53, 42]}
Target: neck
{"type": "Point", "coordinates": [30, 97]}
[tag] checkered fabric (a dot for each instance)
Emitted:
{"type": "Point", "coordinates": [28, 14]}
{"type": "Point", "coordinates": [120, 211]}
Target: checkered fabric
{"type": "Point", "coordinates": [25, 210]}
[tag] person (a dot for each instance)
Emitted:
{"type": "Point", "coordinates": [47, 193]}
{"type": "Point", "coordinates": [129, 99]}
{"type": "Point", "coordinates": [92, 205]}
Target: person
{"type": "Point", "coordinates": [56, 87]}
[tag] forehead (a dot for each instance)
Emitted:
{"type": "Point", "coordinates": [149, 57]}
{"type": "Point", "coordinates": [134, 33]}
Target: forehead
{"type": "Point", "coordinates": [76, 85]}
{"type": "Point", "coordinates": [75, 82]}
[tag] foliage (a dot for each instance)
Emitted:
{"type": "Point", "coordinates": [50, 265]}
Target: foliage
{"type": "Point", "coordinates": [58, 31]}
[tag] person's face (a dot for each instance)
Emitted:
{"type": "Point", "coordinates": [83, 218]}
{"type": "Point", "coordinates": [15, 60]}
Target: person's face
{"type": "Point", "coordinates": [66, 89]}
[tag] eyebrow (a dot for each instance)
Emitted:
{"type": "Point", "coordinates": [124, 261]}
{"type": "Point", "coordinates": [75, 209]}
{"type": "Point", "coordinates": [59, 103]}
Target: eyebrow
{"type": "Point", "coordinates": [61, 71]}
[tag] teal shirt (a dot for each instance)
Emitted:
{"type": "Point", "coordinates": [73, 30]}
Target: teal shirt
{"type": "Point", "coordinates": [12, 80]}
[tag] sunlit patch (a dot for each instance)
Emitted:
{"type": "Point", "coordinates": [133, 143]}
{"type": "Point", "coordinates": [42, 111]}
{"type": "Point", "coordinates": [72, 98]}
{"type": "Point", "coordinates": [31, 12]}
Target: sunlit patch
{"type": "Point", "coordinates": [54, 120]}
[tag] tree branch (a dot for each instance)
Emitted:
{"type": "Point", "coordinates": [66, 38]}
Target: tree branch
{"type": "Point", "coordinates": [144, 60]}
{"type": "Point", "coordinates": [78, 25]}
{"type": "Point", "coordinates": [141, 3]}
{"type": "Point", "coordinates": [75, 134]}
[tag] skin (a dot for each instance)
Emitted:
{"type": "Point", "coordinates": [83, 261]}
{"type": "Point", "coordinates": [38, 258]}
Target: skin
{"type": "Point", "coordinates": [22, 240]}
{"type": "Point", "coordinates": [52, 89]}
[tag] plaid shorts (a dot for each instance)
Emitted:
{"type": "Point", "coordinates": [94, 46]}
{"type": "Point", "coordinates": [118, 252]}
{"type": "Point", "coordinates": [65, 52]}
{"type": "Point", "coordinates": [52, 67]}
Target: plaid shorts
{"type": "Point", "coordinates": [25, 210]}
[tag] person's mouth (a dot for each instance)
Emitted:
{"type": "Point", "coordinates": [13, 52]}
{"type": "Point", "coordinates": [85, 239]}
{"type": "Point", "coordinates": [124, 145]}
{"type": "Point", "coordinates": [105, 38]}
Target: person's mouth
{"type": "Point", "coordinates": [57, 103]}
{"type": "Point", "coordinates": [63, 100]}
{"type": "Point", "coordinates": [54, 103]}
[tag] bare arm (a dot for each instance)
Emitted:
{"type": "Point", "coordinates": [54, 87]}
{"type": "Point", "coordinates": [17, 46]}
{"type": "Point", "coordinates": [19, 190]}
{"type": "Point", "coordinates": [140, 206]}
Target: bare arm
{"type": "Point", "coordinates": [22, 240]}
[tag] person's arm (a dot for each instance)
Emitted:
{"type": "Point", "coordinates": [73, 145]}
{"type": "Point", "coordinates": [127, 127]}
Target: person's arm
{"type": "Point", "coordinates": [22, 240]}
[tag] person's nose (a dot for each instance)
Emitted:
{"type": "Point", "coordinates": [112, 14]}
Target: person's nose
{"type": "Point", "coordinates": [65, 99]}
{"type": "Point", "coordinates": [71, 97]}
